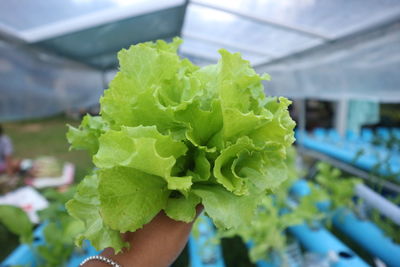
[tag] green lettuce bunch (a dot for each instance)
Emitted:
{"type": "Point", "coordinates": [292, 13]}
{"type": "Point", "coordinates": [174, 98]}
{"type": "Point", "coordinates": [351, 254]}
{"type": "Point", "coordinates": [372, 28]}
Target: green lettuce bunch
{"type": "Point", "coordinates": [172, 135]}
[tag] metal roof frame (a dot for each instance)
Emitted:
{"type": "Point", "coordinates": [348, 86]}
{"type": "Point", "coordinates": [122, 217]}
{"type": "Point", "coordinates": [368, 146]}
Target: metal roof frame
{"type": "Point", "coordinates": [223, 43]}
{"type": "Point", "coordinates": [257, 19]}
{"type": "Point", "coordinates": [212, 59]}
{"type": "Point", "coordinates": [88, 21]}
{"type": "Point", "coordinates": [102, 17]}
{"type": "Point", "coordinates": [326, 40]}
{"type": "Point", "coordinates": [200, 55]}
{"type": "Point", "coordinates": [262, 20]}
{"type": "Point", "coordinates": [354, 37]}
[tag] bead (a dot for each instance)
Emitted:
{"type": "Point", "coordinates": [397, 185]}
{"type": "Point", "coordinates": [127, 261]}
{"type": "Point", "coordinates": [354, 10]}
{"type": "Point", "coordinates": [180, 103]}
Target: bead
{"type": "Point", "coordinates": [100, 258]}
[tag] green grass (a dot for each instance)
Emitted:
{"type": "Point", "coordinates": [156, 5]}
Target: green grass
{"type": "Point", "coordinates": [47, 138]}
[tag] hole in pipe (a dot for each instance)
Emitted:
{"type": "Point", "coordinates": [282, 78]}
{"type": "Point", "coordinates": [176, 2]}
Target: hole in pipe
{"type": "Point", "coordinates": [346, 255]}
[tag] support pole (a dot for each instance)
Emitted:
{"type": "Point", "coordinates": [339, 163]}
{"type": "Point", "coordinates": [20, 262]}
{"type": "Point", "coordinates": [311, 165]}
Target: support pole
{"type": "Point", "coordinates": [341, 114]}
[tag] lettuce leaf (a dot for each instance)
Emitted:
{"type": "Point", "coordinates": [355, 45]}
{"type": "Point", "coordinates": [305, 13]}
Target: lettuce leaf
{"type": "Point", "coordinates": [17, 222]}
{"type": "Point", "coordinates": [86, 136]}
{"type": "Point", "coordinates": [172, 135]}
{"type": "Point", "coordinates": [85, 206]}
{"type": "Point", "coordinates": [226, 209]}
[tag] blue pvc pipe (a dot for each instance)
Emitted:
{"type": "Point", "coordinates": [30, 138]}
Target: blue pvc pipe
{"type": "Point", "coordinates": [352, 136]}
{"type": "Point", "coordinates": [21, 256]}
{"type": "Point", "coordinates": [367, 135]}
{"type": "Point", "coordinates": [320, 133]}
{"type": "Point", "coordinates": [347, 151]}
{"type": "Point", "coordinates": [322, 241]}
{"type": "Point", "coordinates": [364, 233]}
{"type": "Point", "coordinates": [383, 133]}
{"type": "Point", "coordinates": [368, 236]}
{"type": "Point", "coordinates": [300, 188]}
{"type": "Point", "coordinates": [203, 253]}
{"type": "Point", "coordinates": [396, 132]}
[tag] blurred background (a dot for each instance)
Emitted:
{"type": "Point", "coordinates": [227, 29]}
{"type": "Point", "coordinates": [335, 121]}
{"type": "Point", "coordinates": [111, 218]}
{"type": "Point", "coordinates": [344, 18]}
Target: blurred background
{"type": "Point", "coordinates": [337, 60]}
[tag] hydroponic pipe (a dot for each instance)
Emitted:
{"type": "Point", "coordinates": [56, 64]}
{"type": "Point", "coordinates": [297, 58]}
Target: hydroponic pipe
{"type": "Point", "coordinates": [365, 233]}
{"type": "Point", "coordinates": [368, 236]}
{"type": "Point", "coordinates": [347, 151]}
{"type": "Point", "coordinates": [324, 242]}
{"type": "Point", "coordinates": [378, 202]}
{"type": "Point", "coordinates": [21, 256]}
{"type": "Point", "coordinates": [320, 240]}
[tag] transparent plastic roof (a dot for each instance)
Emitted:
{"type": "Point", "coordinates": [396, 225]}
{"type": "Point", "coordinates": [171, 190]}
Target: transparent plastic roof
{"type": "Point", "coordinates": [329, 49]}
{"type": "Point", "coordinates": [35, 21]}
{"type": "Point", "coordinates": [366, 67]}
{"type": "Point", "coordinates": [208, 51]}
{"type": "Point", "coordinates": [275, 29]}
{"type": "Point", "coordinates": [43, 12]}
{"type": "Point", "coordinates": [39, 13]}
{"type": "Point", "coordinates": [266, 40]}
{"type": "Point", "coordinates": [324, 18]}
{"type": "Point", "coordinates": [262, 30]}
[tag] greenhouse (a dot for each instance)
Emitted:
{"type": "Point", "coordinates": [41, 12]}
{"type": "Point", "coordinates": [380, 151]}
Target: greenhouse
{"type": "Point", "coordinates": [199, 133]}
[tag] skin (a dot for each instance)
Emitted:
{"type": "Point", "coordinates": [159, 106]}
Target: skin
{"type": "Point", "coordinates": [157, 244]}
{"type": "Point", "coordinates": [12, 165]}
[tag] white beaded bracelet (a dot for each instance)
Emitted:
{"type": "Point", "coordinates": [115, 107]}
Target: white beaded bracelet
{"type": "Point", "coordinates": [100, 258]}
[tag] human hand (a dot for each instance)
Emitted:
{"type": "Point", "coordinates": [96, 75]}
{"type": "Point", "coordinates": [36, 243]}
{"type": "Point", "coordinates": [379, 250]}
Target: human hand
{"type": "Point", "coordinates": [157, 244]}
